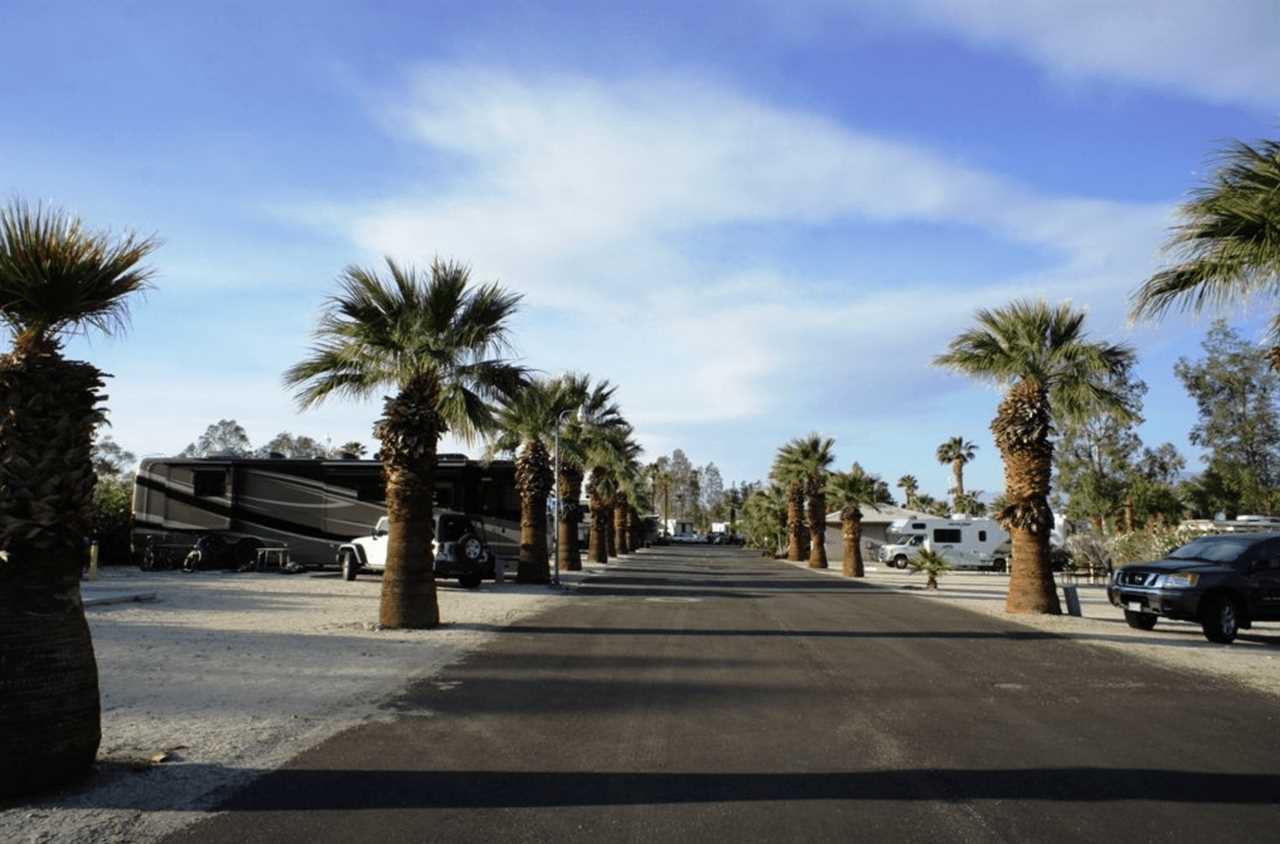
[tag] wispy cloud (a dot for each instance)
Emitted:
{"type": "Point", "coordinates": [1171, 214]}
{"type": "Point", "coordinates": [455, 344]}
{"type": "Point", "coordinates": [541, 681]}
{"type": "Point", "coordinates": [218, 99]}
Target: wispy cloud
{"type": "Point", "coordinates": [1224, 53]}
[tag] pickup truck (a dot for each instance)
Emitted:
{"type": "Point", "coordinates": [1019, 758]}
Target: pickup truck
{"type": "Point", "coordinates": [1225, 583]}
{"type": "Point", "coordinates": [457, 548]}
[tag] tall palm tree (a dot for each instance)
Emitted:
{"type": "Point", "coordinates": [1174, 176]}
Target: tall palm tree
{"type": "Point", "coordinates": [910, 489]}
{"type": "Point", "coordinates": [437, 342]}
{"type": "Point", "coordinates": [602, 487]}
{"type": "Point", "coordinates": [808, 460]}
{"type": "Point", "coordinates": [1040, 354]}
{"type": "Point", "coordinates": [785, 474]}
{"type": "Point", "coordinates": [660, 470]}
{"type": "Point", "coordinates": [598, 416]}
{"type": "Point", "coordinates": [525, 424]}
{"type": "Point", "coordinates": [764, 517]}
{"type": "Point", "coordinates": [56, 279]}
{"type": "Point", "coordinates": [849, 491]}
{"type": "Point", "coordinates": [1228, 244]}
{"type": "Point", "coordinates": [957, 451]}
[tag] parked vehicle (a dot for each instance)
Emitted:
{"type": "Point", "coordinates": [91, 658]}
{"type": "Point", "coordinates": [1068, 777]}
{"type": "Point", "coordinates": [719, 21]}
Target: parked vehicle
{"type": "Point", "coordinates": [965, 543]}
{"type": "Point", "coordinates": [312, 507]}
{"type": "Point", "coordinates": [1225, 583]}
{"type": "Point", "coordinates": [457, 548]}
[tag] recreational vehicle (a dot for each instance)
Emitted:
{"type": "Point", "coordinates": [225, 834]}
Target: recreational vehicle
{"type": "Point", "coordinates": [965, 543]}
{"type": "Point", "coordinates": [309, 507]}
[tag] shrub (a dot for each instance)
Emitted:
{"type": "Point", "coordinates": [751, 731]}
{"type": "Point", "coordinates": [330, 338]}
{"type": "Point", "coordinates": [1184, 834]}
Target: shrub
{"type": "Point", "coordinates": [931, 563]}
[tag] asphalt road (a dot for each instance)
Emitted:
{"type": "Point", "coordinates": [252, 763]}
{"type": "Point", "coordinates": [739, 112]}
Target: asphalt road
{"type": "Point", "coordinates": [705, 694]}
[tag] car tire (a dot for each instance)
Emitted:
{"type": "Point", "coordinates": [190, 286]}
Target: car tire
{"type": "Point", "coordinates": [998, 564]}
{"type": "Point", "coordinates": [1140, 620]}
{"type": "Point", "coordinates": [1220, 619]}
{"type": "Point", "coordinates": [469, 581]}
{"type": "Point", "coordinates": [350, 568]}
{"type": "Point", "coordinates": [900, 562]}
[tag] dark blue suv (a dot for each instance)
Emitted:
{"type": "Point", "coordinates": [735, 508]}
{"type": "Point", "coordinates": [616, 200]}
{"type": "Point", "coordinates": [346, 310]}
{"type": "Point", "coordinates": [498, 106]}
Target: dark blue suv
{"type": "Point", "coordinates": [1224, 582]}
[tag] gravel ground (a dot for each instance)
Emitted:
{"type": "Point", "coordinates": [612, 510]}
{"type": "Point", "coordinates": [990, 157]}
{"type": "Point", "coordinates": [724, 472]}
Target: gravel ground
{"type": "Point", "coordinates": [232, 674]}
{"type": "Point", "coordinates": [1252, 660]}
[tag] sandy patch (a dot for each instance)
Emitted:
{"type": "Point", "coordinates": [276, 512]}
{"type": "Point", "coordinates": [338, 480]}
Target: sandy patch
{"type": "Point", "coordinates": [233, 674]}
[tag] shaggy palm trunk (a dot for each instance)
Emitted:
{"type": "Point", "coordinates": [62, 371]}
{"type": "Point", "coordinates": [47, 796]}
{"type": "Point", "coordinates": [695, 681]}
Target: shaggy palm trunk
{"type": "Point", "coordinates": [409, 431]}
{"type": "Point", "coordinates": [817, 528]}
{"type": "Point", "coordinates": [932, 582]}
{"type": "Point", "coordinates": [1022, 428]}
{"type": "Point", "coordinates": [597, 545]}
{"type": "Point", "coordinates": [851, 526]}
{"type": "Point", "coordinates": [571, 516]}
{"type": "Point", "coordinates": [958, 468]}
{"type": "Point", "coordinates": [621, 538]}
{"type": "Point", "coordinates": [533, 482]}
{"type": "Point", "coordinates": [49, 706]}
{"type": "Point", "coordinates": [611, 540]}
{"type": "Point", "coordinates": [795, 517]}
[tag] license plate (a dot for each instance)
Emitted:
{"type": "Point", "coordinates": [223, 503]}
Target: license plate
{"type": "Point", "coordinates": [1134, 606]}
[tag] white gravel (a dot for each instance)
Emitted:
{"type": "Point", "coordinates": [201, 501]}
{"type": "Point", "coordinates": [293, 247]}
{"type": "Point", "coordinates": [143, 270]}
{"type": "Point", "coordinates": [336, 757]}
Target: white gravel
{"type": "Point", "coordinates": [233, 674]}
{"type": "Point", "coordinates": [1253, 660]}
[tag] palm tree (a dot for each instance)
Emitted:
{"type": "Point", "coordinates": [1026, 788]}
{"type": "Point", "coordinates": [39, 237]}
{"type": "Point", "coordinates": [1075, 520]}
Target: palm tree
{"type": "Point", "coordinates": [438, 344]}
{"type": "Point", "coordinates": [56, 279]}
{"type": "Point", "coordinates": [931, 563]}
{"type": "Point", "coordinates": [957, 451]}
{"type": "Point", "coordinates": [1040, 354]}
{"type": "Point", "coordinates": [1227, 243]}
{"type": "Point", "coordinates": [598, 416]}
{"type": "Point", "coordinates": [784, 474]}
{"type": "Point", "coordinates": [525, 423]}
{"type": "Point", "coordinates": [764, 517]}
{"type": "Point", "coordinates": [848, 491]}
{"type": "Point", "coordinates": [910, 489]}
{"type": "Point", "coordinates": [806, 461]}
{"type": "Point", "coordinates": [660, 470]}
{"type": "Point", "coordinates": [603, 461]}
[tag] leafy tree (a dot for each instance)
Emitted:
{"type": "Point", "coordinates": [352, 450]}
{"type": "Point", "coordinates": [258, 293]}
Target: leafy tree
{"type": "Point", "coordinates": [111, 459]}
{"type": "Point", "coordinates": [713, 493]}
{"type": "Point", "coordinates": [224, 438]}
{"type": "Point", "coordinates": [1235, 392]}
{"type": "Point", "coordinates": [57, 279]}
{"type": "Point", "coordinates": [970, 504]}
{"type": "Point", "coordinates": [1228, 246]}
{"type": "Point", "coordinates": [1153, 486]}
{"type": "Point", "coordinates": [957, 452]}
{"type": "Point", "coordinates": [437, 342]}
{"type": "Point", "coordinates": [1095, 453]}
{"type": "Point", "coordinates": [1041, 355]}
{"type": "Point", "coordinates": [293, 446]}
{"type": "Point", "coordinates": [681, 471]}
{"type": "Point", "coordinates": [764, 518]}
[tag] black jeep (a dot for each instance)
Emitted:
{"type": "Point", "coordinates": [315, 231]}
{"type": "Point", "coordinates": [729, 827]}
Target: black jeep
{"type": "Point", "coordinates": [1224, 582]}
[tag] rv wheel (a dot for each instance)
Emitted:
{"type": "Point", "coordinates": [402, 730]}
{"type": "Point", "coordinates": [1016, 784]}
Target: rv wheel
{"type": "Point", "coordinates": [998, 564]}
{"type": "Point", "coordinates": [900, 561]}
{"type": "Point", "coordinates": [349, 566]}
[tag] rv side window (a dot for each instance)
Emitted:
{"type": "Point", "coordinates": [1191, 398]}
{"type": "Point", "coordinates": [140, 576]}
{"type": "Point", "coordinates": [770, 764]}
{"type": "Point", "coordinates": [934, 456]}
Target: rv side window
{"type": "Point", "coordinates": [209, 483]}
{"type": "Point", "coordinates": [918, 526]}
{"type": "Point", "coordinates": [946, 535]}
{"type": "Point", "coordinates": [982, 536]}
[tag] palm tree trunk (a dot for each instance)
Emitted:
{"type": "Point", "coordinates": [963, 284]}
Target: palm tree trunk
{"type": "Point", "coordinates": [409, 432]}
{"type": "Point", "coordinates": [958, 468]}
{"type": "Point", "coordinates": [533, 480]}
{"type": "Point", "coordinates": [611, 540]}
{"type": "Point", "coordinates": [598, 546]}
{"type": "Point", "coordinates": [1022, 428]}
{"type": "Point", "coordinates": [570, 491]}
{"type": "Point", "coordinates": [620, 528]}
{"type": "Point", "coordinates": [795, 518]}
{"type": "Point", "coordinates": [49, 703]}
{"type": "Point", "coordinates": [817, 530]}
{"type": "Point", "coordinates": [851, 524]}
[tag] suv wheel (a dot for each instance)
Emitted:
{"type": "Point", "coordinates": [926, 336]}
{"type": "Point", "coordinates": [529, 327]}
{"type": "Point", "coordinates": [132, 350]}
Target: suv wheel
{"type": "Point", "coordinates": [1220, 619]}
{"type": "Point", "coordinates": [350, 567]}
{"type": "Point", "coordinates": [1140, 620]}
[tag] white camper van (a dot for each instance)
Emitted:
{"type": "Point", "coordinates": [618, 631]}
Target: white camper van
{"type": "Point", "coordinates": [966, 543]}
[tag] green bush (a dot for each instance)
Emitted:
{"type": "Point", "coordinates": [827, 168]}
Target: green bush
{"type": "Point", "coordinates": [112, 501]}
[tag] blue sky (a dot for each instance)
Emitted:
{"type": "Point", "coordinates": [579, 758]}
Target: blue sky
{"type": "Point", "coordinates": [757, 220]}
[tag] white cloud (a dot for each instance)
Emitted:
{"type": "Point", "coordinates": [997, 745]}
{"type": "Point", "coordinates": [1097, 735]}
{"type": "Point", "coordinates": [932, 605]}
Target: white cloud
{"type": "Point", "coordinates": [585, 196]}
{"type": "Point", "coordinates": [1215, 51]}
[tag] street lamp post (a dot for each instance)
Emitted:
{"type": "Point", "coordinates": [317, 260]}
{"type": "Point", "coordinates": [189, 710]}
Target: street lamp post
{"type": "Point", "coordinates": [555, 578]}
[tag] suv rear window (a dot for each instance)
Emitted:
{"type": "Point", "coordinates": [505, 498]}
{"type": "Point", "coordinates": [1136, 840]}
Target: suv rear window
{"type": "Point", "coordinates": [452, 527]}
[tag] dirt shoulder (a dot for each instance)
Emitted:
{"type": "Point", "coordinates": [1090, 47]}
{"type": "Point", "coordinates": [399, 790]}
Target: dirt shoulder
{"type": "Point", "coordinates": [232, 674]}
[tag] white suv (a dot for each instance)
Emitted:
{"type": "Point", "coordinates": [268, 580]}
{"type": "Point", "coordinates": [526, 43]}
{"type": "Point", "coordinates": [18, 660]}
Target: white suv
{"type": "Point", "coordinates": [457, 548]}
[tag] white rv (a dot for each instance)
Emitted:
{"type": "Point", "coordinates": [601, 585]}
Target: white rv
{"type": "Point", "coordinates": [965, 543]}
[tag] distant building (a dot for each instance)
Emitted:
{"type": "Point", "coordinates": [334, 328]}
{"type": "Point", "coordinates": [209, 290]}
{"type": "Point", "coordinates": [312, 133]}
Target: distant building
{"type": "Point", "coordinates": [876, 522]}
